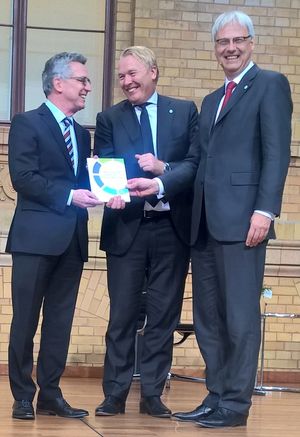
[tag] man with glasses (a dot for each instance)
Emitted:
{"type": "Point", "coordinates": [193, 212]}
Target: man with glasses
{"type": "Point", "coordinates": [48, 237]}
{"type": "Point", "coordinates": [245, 134]}
{"type": "Point", "coordinates": [245, 141]}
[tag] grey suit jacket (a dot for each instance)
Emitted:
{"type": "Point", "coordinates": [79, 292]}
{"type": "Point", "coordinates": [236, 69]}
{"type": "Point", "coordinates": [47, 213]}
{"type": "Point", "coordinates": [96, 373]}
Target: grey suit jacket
{"type": "Point", "coordinates": [42, 175]}
{"type": "Point", "coordinates": [118, 135]}
{"type": "Point", "coordinates": [244, 155]}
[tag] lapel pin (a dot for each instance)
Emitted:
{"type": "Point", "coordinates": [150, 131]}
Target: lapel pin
{"type": "Point", "coordinates": [171, 111]}
{"type": "Point", "coordinates": [245, 87]}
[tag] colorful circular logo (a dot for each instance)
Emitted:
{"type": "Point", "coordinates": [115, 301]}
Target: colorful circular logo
{"type": "Point", "coordinates": [109, 176]}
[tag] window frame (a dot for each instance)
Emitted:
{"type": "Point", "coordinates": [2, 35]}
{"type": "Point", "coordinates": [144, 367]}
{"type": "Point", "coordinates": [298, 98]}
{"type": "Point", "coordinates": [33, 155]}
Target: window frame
{"type": "Point", "coordinates": [18, 56]}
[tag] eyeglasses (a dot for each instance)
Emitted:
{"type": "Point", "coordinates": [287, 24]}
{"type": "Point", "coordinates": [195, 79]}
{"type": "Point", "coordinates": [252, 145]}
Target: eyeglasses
{"type": "Point", "coordinates": [84, 80]}
{"type": "Point", "coordinates": [237, 41]}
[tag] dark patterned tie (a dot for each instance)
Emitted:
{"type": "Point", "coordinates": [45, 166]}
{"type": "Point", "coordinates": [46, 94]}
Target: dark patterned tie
{"type": "Point", "coordinates": [230, 87]}
{"type": "Point", "coordinates": [147, 142]}
{"type": "Point", "coordinates": [67, 137]}
{"type": "Point", "coordinates": [146, 129]}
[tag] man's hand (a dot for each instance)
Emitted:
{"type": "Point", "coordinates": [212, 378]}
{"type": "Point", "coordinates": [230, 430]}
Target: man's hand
{"type": "Point", "coordinates": [149, 162]}
{"type": "Point", "coordinates": [142, 187]}
{"type": "Point", "coordinates": [116, 202]}
{"type": "Point", "coordinates": [259, 228]}
{"type": "Point", "coordinates": [85, 199]}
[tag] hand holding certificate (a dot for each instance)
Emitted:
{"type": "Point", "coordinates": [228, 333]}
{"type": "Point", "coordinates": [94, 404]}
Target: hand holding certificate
{"type": "Point", "coordinates": [142, 187]}
{"type": "Point", "coordinates": [108, 178]}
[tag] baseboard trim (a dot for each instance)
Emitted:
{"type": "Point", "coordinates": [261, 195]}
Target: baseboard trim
{"type": "Point", "coordinates": [70, 371]}
{"type": "Point", "coordinates": [270, 376]}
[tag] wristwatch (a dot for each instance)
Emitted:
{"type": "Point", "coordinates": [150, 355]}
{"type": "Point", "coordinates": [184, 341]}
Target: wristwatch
{"type": "Point", "coordinates": [166, 167]}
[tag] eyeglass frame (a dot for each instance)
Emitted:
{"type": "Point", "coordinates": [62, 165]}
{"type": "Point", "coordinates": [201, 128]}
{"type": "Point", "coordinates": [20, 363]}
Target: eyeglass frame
{"type": "Point", "coordinates": [237, 40]}
{"type": "Point", "coordinates": [83, 79]}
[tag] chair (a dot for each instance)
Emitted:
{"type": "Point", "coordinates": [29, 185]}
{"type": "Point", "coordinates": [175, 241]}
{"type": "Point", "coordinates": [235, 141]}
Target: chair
{"type": "Point", "coordinates": [185, 330]}
{"type": "Point", "coordinates": [138, 348]}
{"type": "Point", "coordinates": [261, 388]}
{"type": "Point", "coordinates": [142, 323]}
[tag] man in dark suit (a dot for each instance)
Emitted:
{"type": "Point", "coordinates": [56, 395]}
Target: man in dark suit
{"type": "Point", "coordinates": [48, 236]}
{"type": "Point", "coordinates": [238, 192]}
{"type": "Point", "coordinates": [147, 240]}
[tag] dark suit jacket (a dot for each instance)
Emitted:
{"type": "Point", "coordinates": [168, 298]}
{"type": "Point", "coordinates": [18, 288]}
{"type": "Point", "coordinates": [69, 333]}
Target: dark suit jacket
{"type": "Point", "coordinates": [118, 135]}
{"type": "Point", "coordinates": [244, 155]}
{"type": "Point", "coordinates": [42, 175]}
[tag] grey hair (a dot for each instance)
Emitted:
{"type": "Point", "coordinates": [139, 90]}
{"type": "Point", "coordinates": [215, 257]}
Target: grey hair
{"type": "Point", "coordinates": [229, 17]}
{"type": "Point", "coordinates": [144, 55]}
{"type": "Point", "coordinates": [59, 66]}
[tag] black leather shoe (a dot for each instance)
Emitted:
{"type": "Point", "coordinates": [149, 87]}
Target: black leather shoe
{"type": "Point", "coordinates": [59, 407]}
{"type": "Point", "coordinates": [191, 416]}
{"type": "Point", "coordinates": [23, 410]}
{"type": "Point", "coordinates": [153, 406]}
{"type": "Point", "coordinates": [222, 417]}
{"type": "Point", "coordinates": [110, 407]}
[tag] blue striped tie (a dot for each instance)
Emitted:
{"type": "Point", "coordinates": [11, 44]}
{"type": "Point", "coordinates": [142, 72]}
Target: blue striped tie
{"type": "Point", "coordinates": [67, 137]}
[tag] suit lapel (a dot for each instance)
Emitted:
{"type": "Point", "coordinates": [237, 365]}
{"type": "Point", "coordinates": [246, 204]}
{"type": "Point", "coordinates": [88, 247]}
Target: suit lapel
{"type": "Point", "coordinates": [131, 124]}
{"type": "Point", "coordinates": [216, 98]}
{"type": "Point", "coordinates": [80, 144]}
{"type": "Point", "coordinates": [165, 116]}
{"type": "Point", "coordinates": [52, 124]}
{"type": "Point", "coordinates": [244, 86]}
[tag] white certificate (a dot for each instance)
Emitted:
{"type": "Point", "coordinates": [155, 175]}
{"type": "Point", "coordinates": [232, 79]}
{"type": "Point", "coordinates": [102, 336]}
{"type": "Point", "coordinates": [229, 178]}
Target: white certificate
{"type": "Point", "coordinates": [108, 178]}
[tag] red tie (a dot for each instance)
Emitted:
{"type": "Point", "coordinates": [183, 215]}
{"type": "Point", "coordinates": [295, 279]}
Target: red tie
{"type": "Point", "coordinates": [230, 87]}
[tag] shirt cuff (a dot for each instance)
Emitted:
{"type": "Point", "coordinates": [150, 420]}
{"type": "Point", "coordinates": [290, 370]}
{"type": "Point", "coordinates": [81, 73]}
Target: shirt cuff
{"type": "Point", "coordinates": [70, 198]}
{"type": "Point", "coordinates": [268, 214]}
{"type": "Point", "coordinates": [161, 191]}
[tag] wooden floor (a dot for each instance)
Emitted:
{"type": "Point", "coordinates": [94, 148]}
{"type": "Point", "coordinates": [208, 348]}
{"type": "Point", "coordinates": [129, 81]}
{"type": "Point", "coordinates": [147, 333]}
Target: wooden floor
{"type": "Point", "coordinates": [273, 415]}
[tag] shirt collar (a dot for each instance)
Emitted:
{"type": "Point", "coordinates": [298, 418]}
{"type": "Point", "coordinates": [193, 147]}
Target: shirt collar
{"type": "Point", "coordinates": [56, 112]}
{"type": "Point", "coordinates": [152, 99]}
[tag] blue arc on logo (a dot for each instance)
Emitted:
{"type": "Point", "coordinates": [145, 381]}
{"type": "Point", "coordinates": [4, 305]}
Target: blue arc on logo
{"type": "Point", "coordinates": [110, 190]}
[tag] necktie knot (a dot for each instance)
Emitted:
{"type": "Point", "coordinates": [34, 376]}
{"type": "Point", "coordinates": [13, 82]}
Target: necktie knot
{"type": "Point", "coordinates": [143, 106]}
{"type": "Point", "coordinates": [230, 86]}
{"type": "Point", "coordinates": [67, 122]}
